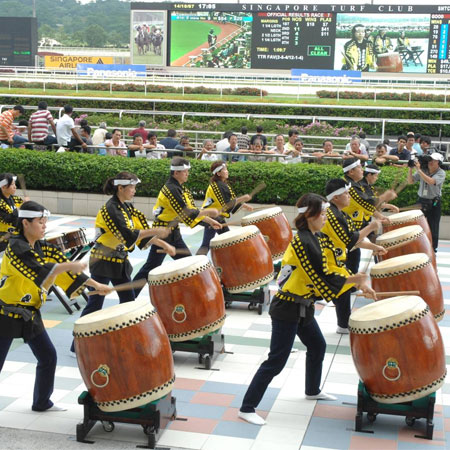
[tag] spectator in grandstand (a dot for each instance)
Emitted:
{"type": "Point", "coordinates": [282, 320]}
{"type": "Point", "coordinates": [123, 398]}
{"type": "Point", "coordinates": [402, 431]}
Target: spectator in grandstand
{"type": "Point", "coordinates": [170, 142]}
{"type": "Point", "coordinates": [260, 136]}
{"type": "Point", "coordinates": [233, 148]}
{"type": "Point", "coordinates": [184, 146]}
{"type": "Point", "coordinates": [136, 149]}
{"type": "Point", "coordinates": [278, 149]}
{"type": "Point", "coordinates": [224, 143]}
{"type": "Point", "coordinates": [85, 132]}
{"type": "Point", "coordinates": [257, 150]}
{"type": "Point", "coordinates": [7, 127]}
{"type": "Point", "coordinates": [243, 140]}
{"type": "Point", "coordinates": [115, 146]}
{"type": "Point", "coordinates": [292, 137]}
{"type": "Point", "coordinates": [99, 136]}
{"type": "Point", "coordinates": [382, 43]}
{"type": "Point", "coordinates": [327, 147]}
{"type": "Point", "coordinates": [358, 52]}
{"type": "Point", "coordinates": [425, 145]}
{"type": "Point", "coordinates": [410, 143]}
{"type": "Point", "coordinates": [416, 145]}
{"type": "Point", "coordinates": [402, 153]}
{"type": "Point", "coordinates": [387, 143]}
{"type": "Point", "coordinates": [65, 129]}
{"type": "Point", "coordinates": [208, 153]}
{"type": "Point", "coordinates": [38, 126]}
{"type": "Point", "coordinates": [140, 130]}
{"type": "Point", "coordinates": [363, 140]}
{"type": "Point", "coordinates": [355, 150]}
{"type": "Point", "coordinates": [382, 158]}
{"type": "Point", "coordinates": [153, 149]}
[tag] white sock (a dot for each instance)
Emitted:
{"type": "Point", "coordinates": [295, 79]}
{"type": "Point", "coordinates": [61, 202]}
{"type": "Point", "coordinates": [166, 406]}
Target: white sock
{"type": "Point", "coordinates": [252, 418]}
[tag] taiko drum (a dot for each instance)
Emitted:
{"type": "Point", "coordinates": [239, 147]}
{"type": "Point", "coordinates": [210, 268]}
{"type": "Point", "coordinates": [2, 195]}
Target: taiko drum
{"type": "Point", "coordinates": [397, 349]}
{"type": "Point", "coordinates": [406, 240]}
{"type": "Point", "coordinates": [389, 62]}
{"type": "Point", "coordinates": [275, 227]}
{"type": "Point", "coordinates": [124, 356]}
{"type": "Point", "coordinates": [188, 296]}
{"type": "Point", "coordinates": [242, 258]}
{"type": "Point", "coordinates": [413, 272]}
{"type": "Point", "coordinates": [405, 218]}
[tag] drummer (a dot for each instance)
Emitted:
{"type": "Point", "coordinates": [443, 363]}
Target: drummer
{"type": "Point", "coordinates": [341, 230]}
{"type": "Point", "coordinates": [9, 202]}
{"type": "Point", "coordinates": [304, 277]}
{"type": "Point", "coordinates": [175, 204]}
{"type": "Point", "coordinates": [119, 227]}
{"type": "Point", "coordinates": [220, 195]}
{"type": "Point", "coordinates": [29, 267]}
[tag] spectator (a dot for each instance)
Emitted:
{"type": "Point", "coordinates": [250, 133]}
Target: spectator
{"type": "Point", "coordinates": [387, 143]}
{"type": "Point", "coordinates": [401, 151]}
{"type": "Point", "coordinates": [354, 137]}
{"type": "Point", "coordinates": [260, 136]}
{"type": "Point", "coordinates": [224, 143]}
{"type": "Point", "coordinates": [85, 131]}
{"type": "Point", "coordinates": [410, 144]}
{"type": "Point", "coordinates": [295, 154]}
{"type": "Point", "coordinates": [356, 150]}
{"type": "Point", "coordinates": [425, 145]}
{"type": "Point", "coordinates": [153, 149]}
{"type": "Point", "coordinates": [278, 149]}
{"type": "Point", "coordinates": [141, 131]}
{"type": "Point", "coordinates": [327, 146]}
{"type": "Point", "coordinates": [115, 146]}
{"type": "Point", "coordinates": [207, 153]}
{"type": "Point", "coordinates": [136, 149]}
{"type": "Point", "coordinates": [243, 140]}
{"type": "Point", "coordinates": [7, 127]}
{"type": "Point", "coordinates": [292, 137]}
{"type": "Point", "coordinates": [184, 146]}
{"type": "Point", "coordinates": [38, 126]}
{"type": "Point", "coordinates": [170, 142]}
{"type": "Point", "coordinates": [233, 148]}
{"type": "Point", "coordinates": [416, 145]}
{"type": "Point", "coordinates": [99, 136]}
{"type": "Point", "coordinates": [382, 158]}
{"type": "Point", "coordinates": [257, 149]}
{"type": "Point", "coordinates": [65, 130]}
{"type": "Point", "coordinates": [364, 141]}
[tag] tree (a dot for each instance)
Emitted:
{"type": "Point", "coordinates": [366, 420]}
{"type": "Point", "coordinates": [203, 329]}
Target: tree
{"type": "Point", "coordinates": [46, 31]}
{"type": "Point", "coordinates": [95, 36]}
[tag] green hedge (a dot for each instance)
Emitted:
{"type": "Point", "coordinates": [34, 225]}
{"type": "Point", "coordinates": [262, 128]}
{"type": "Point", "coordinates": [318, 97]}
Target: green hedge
{"type": "Point", "coordinates": [75, 172]}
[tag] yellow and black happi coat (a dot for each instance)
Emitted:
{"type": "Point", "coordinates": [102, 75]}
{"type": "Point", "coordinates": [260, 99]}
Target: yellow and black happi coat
{"type": "Point", "coordinates": [7, 207]}
{"type": "Point", "coordinates": [362, 204]}
{"type": "Point", "coordinates": [23, 272]}
{"type": "Point", "coordinates": [117, 225]}
{"type": "Point", "coordinates": [309, 271]}
{"type": "Point", "coordinates": [341, 230]}
{"type": "Point", "coordinates": [175, 201]}
{"type": "Point", "coordinates": [218, 195]}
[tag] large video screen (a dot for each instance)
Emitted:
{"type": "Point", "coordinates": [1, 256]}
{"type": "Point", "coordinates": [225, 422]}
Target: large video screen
{"type": "Point", "coordinates": [18, 41]}
{"type": "Point", "coordinates": [366, 38]}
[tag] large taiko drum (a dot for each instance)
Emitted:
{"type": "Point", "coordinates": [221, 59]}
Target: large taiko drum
{"type": "Point", "coordinates": [275, 227]}
{"type": "Point", "coordinates": [188, 296]}
{"type": "Point", "coordinates": [413, 272]}
{"type": "Point", "coordinates": [68, 240]}
{"type": "Point", "coordinates": [397, 349]}
{"type": "Point", "coordinates": [389, 62]}
{"type": "Point", "coordinates": [405, 240]}
{"type": "Point", "coordinates": [124, 355]}
{"type": "Point", "coordinates": [405, 218]}
{"type": "Point", "coordinates": [242, 258]}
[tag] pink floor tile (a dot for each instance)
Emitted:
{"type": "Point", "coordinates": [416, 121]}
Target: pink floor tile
{"type": "Point", "coordinates": [231, 414]}
{"type": "Point", "coordinates": [335, 412]}
{"type": "Point", "coordinates": [189, 384]}
{"type": "Point", "coordinates": [406, 434]}
{"type": "Point", "coordinates": [194, 425]}
{"type": "Point", "coordinates": [447, 424]}
{"type": "Point", "coordinates": [208, 398]}
{"type": "Point", "coordinates": [371, 443]}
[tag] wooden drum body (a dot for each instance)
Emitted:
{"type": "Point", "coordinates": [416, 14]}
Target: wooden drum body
{"type": "Point", "coordinates": [188, 296]}
{"type": "Point", "coordinates": [242, 258]}
{"type": "Point", "coordinates": [389, 62]}
{"type": "Point", "coordinates": [413, 217]}
{"type": "Point", "coordinates": [124, 356]}
{"type": "Point", "coordinates": [406, 240]}
{"type": "Point", "coordinates": [397, 349]}
{"type": "Point", "coordinates": [410, 272]}
{"type": "Point", "coordinates": [272, 223]}
{"type": "Point", "coordinates": [68, 239]}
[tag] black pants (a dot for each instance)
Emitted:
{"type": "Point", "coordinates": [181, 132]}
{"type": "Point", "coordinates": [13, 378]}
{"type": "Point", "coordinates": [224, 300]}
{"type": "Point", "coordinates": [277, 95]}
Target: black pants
{"type": "Point", "coordinates": [432, 212]}
{"type": "Point", "coordinates": [208, 234]}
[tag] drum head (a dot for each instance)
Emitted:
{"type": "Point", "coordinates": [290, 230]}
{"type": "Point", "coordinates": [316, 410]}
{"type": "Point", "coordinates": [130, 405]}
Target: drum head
{"type": "Point", "coordinates": [234, 236]}
{"type": "Point", "coordinates": [387, 314]}
{"type": "Point", "coordinates": [53, 235]}
{"type": "Point", "coordinates": [261, 215]}
{"type": "Point", "coordinates": [399, 264]}
{"type": "Point", "coordinates": [183, 266]}
{"type": "Point", "coordinates": [399, 236]}
{"type": "Point", "coordinates": [406, 216]}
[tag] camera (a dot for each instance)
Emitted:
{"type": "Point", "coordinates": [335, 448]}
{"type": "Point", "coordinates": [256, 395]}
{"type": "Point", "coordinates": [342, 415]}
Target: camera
{"type": "Point", "coordinates": [423, 161]}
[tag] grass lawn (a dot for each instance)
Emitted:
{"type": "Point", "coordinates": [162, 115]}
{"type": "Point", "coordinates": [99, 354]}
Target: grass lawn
{"type": "Point", "coordinates": [149, 58]}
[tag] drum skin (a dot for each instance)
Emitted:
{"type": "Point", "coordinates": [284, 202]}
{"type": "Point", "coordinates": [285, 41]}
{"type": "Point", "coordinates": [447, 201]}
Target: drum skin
{"type": "Point", "coordinates": [275, 227]}
{"type": "Point", "coordinates": [125, 361]}
{"type": "Point", "coordinates": [189, 299]}
{"type": "Point", "coordinates": [244, 261]}
{"type": "Point", "coordinates": [405, 218]}
{"type": "Point", "coordinates": [412, 272]}
{"type": "Point", "coordinates": [401, 358]}
{"type": "Point", "coordinates": [389, 62]}
{"type": "Point", "coordinates": [406, 240]}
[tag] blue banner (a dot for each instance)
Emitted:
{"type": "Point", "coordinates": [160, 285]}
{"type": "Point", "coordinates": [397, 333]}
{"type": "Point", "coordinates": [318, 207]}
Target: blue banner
{"type": "Point", "coordinates": [111, 70]}
{"type": "Point", "coordinates": [326, 76]}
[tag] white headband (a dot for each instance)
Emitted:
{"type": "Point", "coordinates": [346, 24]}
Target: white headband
{"type": "Point", "coordinates": [304, 208]}
{"type": "Point", "coordinates": [126, 182]}
{"type": "Point", "coordinates": [27, 214]}
{"type": "Point", "coordinates": [370, 170]}
{"type": "Point", "coordinates": [183, 167]}
{"type": "Point", "coordinates": [218, 169]}
{"type": "Point", "coordinates": [352, 166]}
{"type": "Point", "coordinates": [4, 182]}
{"type": "Point", "coordinates": [339, 191]}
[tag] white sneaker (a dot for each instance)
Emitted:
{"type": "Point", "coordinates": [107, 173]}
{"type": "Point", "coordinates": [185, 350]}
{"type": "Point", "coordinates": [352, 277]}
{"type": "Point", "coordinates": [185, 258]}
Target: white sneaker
{"type": "Point", "coordinates": [340, 330]}
{"type": "Point", "coordinates": [321, 396]}
{"type": "Point", "coordinates": [252, 418]}
{"type": "Point", "coordinates": [55, 408]}
{"type": "Point", "coordinates": [72, 354]}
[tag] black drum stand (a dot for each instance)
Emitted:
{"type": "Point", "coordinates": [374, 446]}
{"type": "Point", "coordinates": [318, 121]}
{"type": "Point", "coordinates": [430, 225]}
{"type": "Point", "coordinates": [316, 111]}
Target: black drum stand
{"type": "Point", "coordinates": [257, 300]}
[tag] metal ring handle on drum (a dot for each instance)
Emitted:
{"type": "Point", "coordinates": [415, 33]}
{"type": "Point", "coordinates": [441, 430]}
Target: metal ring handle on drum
{"type": "Point", "coordinates": [103, 370]}
{"type": "Point", "coordinates": [179, 312]}
{"type": "Point", "coordinates": [391, 379]}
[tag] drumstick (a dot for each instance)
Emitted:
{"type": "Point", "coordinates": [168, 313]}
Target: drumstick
{"type": "Point", "coordinates": [23, 186]}
{"type": "Point", "coordinates": [125, 286]}
{"type": "Point", "coordinates": [178, 251]}
{"type": "Point", "coordinates": [410, 207]}
{"type": "Point", "coordinates": [5, 237]}
{"type": "Point", "coordinates": [264, 207]}
{"type": "Point", "coordinates": [396, 293]}
{"type": "Point", "coordinates": [401, 187]}
{"type": "Point", "coordinates": [231, 204]}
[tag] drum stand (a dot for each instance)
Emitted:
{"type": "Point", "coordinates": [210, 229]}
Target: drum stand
{"type": "Point", "coordinates": [417, 409]}
{"type": "Point", "coordinates": [207, 347]}
{"type": "Point", "coordinates": [153, 417]}
{"type": "Point", "coordinates": [256, 299]}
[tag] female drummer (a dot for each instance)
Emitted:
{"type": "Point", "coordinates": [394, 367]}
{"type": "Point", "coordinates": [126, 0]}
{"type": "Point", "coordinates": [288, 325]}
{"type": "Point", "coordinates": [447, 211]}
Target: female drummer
{"type": "Point", "coordinates": [119, 226]}
{"type": "Point", "coordinates": [304, 278]}
{"type": "Point", "coordinates": [220, 195]}
{"type": "Point", "coordinates": [9, 202]}
{"type": "Point", "coordinates": [28, 269]}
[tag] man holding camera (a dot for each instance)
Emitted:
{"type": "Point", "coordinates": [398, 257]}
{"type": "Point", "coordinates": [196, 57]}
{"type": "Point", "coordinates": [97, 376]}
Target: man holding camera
{"type": "Point", "coordinates": [431, 177]}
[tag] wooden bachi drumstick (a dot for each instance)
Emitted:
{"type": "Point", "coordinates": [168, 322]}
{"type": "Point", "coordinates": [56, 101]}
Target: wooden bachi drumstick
{"type": "Point", "coordinates": [125, 286]}
{"type": "Point", "coordinates": [397, 293]}
{"type": "Point", "coordinates": [410, 207]}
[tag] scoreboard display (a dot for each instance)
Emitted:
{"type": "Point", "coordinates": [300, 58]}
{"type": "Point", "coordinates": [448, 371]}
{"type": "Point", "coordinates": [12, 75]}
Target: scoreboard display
{"type": "Point", "coordinates": [18, 41]}
{"type": "Point", "coordinates": [359, 37]}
